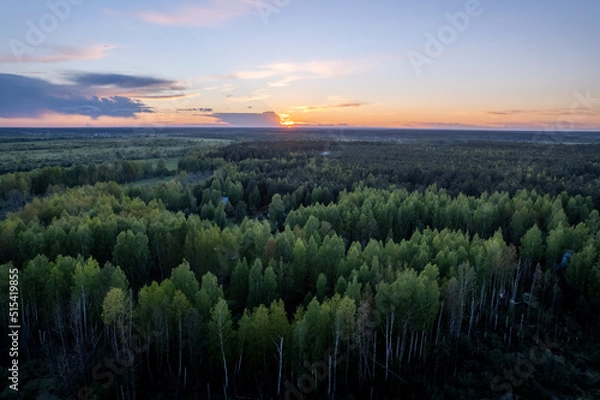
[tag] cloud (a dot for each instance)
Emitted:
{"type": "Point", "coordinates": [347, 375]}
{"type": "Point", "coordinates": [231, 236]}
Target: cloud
{"type": "Point", "coordinates": [286, 73]}
{"type": "Point", "coordinates": [508, 112]}
{"type": "Point", "coordinates": [25, 97]}
{"type": "Point", "coordinates": [213, 13]}
{"type": "Point", "coordinates": [56, 54]}
{"type": "Point", "coordinates": [267, 119]}
{"type": "Point", "coordinates": [201, 110]}
{"type": "Point", "coordinates": [330, 106]}
{"type": "Point", "coordinates": [444, 125]}
{"type": "Point", "coordinates": [579, 111]}
{"type": "Point", "coordinates": [123, 81]}
{"type": "Point", "coordinates": [258, 95]}
{"type": "Point", "coordinates": [335, 102]}
{"type": "Point", "coordinates": [164, 97]}
{"type": "Point", "coordinates": [138, 87]}
{"type": "Point", "coordinates": [285, 81]}
{"type": "Point", "coordinates": [224, 88]}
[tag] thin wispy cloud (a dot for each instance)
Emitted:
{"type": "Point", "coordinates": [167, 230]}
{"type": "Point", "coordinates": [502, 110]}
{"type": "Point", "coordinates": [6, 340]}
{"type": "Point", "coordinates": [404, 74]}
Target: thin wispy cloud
{"type": "Point", "coordinates": [580, 111]}
{"type": "Point", "coordinates": [257, 95]}
{"type": "Point", "coordinates": [335, 102]}
{"type": "Point", "coordinates": [57, 54]}
{"type": "Point", "coordinates": [197, 109]}
{"type": "Point", "coordinates": [285, 73]}
{"type": "Point", "coordinates": [443, 125]}
{"type": "Point", "coordinates": [166, 97]}
{"type": "Point", "coordinates": [285, 81]}
{"type": "Point", "coordinates": [210, 13]}
{"type": "Point", "coordinates": [227, 87]}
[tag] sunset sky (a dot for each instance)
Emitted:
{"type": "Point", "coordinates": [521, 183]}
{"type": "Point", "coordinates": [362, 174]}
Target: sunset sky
{"type": "Point", "coordinates": [502, 64]}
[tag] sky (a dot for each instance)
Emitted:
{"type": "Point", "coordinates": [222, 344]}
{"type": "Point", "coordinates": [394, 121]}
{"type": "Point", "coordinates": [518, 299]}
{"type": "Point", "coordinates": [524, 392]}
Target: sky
{"type": "Point", "coordinates": [496, 64]}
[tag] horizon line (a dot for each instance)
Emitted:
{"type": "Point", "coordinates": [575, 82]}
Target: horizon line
{"type": "Point", "coordinates": [317, 127]}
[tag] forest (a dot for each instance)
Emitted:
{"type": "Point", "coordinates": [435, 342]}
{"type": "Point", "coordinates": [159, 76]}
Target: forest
{"type": "Point", "coordinates": [268, 266]}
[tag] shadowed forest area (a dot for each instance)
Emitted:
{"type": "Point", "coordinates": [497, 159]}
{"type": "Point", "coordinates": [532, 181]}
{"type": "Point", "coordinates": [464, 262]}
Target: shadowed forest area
{"type": "Point", "coordinates": [261, 265]}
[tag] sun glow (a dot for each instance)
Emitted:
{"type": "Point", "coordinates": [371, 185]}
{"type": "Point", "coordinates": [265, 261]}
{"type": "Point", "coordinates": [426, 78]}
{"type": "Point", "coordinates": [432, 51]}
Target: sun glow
{"type": "Point", "coordinates": [284, 120]}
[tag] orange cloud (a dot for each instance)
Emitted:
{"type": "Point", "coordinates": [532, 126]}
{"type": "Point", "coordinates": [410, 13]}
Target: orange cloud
{"type": "Point", "coordinates": [335, 102]}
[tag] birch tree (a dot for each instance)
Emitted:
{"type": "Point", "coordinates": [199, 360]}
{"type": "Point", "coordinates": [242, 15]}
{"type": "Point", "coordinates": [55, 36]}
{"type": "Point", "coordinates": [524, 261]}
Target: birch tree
{"type": "Point", "coordinates": [221, 334]}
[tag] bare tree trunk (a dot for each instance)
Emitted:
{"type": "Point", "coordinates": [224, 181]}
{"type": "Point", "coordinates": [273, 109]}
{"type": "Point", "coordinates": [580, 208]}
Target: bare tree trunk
{"type": "Point", "coordinates": [239, 363]}
{"type": "Point", "coordinates": [410, 348]}
{"type": "Point", "coordinates": [222, 345]}
{"type": "Point", "coordinates": [492, 304]}
{"type": "Point", "coordinates": [387, 352]}
{"type": "Point", "coordinates": [403, 346]}
{"type": "Point", "coordinates": [439, 324]}
{"type": "Point", "coordinates": [513, 297]}
{"type": "Point", "coordinates": [471, 317]}
{"type": "Point", "coordinates": [531, 291]}
{"type": "Point", "coordinates": [84, 313]}
{"type": "Point", "coordinates": [180, 351]}
{"type": "Point", "coordinates": [423, 341]}
{"type": "Point", "coordinates": [481, 303]}
{"type": "Point", "coordinates": [335, 352]}
{"type": "Point", "coordinates": [389, 337]}
{"type": "Point", "coordinates": [329, 389]}
{"type": "Point", "coordinates": [374, 353]}
{"type": "Point", "coordinates": [280, 352]}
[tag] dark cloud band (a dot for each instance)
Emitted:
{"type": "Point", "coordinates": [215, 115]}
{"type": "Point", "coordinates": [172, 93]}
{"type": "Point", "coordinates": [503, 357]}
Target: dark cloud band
{"type": "Point", "coordinates": [25, 97]}
{"type": "Point", "coordinates": [122, 81]}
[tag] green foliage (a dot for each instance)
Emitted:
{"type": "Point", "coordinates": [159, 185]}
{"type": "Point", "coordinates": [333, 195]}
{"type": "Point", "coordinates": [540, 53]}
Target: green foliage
{"type": "Point", "coordinates": [131, 253]}
{"type": "Point", "coordinates": [239, 284]}
{"type": "Point", "coordinates": [363, 266]}
{"type": "Point", "coordinates": [115, 307]}
{"type": "Point", "coordinates": [532, 244]}
{"type": "Point", "coordinates": [276, 211]}
{"type": "Point", "coordinates": [321, 287]}
{"type": "Point", "coordinates": [220, 332]}
{"type": "Point", "coordinates": [185, 281]}
{"type": "Point", "coordinates": [210, 293]}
